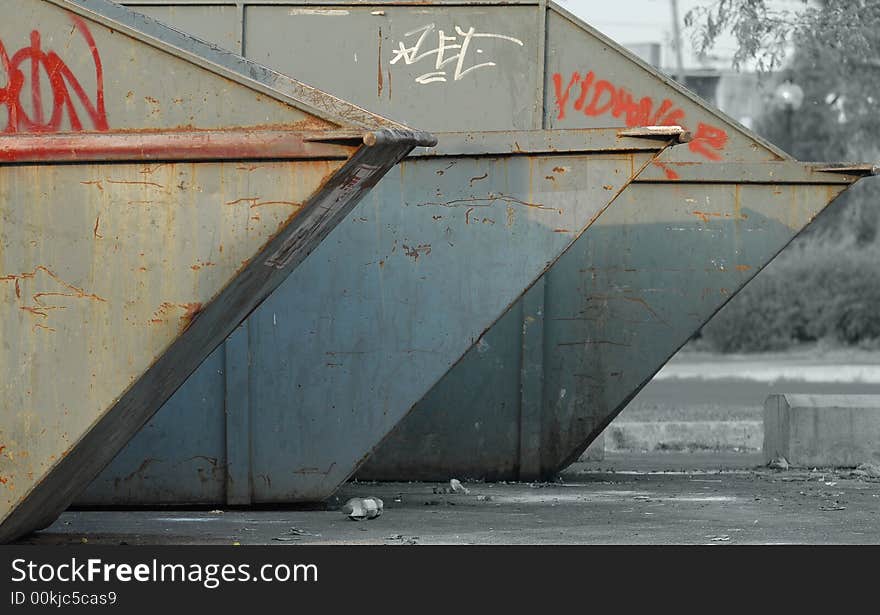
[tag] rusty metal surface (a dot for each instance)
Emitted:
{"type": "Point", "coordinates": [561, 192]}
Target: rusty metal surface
{"type": "Point", "coordinates": [511, 408]}
{"type": "Point", "coordinates": [456, 227]}
{"type": "Point", "coordinates": [119, 277]}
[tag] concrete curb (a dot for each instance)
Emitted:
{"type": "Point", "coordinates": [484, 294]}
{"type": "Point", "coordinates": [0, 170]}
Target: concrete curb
{"type": "Point", "coordinates": [684, 435]}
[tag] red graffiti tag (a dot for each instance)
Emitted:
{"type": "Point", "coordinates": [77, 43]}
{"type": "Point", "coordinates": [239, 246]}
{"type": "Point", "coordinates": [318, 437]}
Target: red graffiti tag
{"type": "Point", "coordinates": [65, 88]}
{"type": "Point", "coordinates": [595, 98]}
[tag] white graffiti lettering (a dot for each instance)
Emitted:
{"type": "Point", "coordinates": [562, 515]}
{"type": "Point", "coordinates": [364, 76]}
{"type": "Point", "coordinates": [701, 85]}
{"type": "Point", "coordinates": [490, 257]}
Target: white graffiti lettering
{"type": "Point", "coordinates": [450, 49]}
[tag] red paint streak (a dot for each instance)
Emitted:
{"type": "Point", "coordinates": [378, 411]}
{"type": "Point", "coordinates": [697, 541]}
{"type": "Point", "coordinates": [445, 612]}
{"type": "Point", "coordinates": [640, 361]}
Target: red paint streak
{"type": "Point", "coordinates": [602, 97]}
{"type": "Point", "coordinates": [708, 140]}
{"type": "Point", "coordinates": [670, 173]}
{"type": "Point", "coordinates": [64, 86]}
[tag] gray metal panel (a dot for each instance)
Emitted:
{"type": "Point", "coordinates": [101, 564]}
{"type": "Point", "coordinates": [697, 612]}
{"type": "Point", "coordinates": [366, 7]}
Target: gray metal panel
{"type": "Point", "coordinates": [471, 68]}
{"type": "Point", "coordinates": [218, 24]}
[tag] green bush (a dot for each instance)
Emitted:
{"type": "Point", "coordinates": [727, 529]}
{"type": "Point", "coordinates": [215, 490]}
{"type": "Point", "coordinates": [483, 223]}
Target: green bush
{"type": "Point", "coordinates": [809, 293]}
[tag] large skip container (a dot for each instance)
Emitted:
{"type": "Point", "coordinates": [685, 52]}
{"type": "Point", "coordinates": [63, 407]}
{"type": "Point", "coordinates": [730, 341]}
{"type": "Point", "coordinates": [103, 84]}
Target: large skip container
{"type": "Point", "coordinates": [291, 409]}
{"type": "Point", "coordinates": [153, 190]}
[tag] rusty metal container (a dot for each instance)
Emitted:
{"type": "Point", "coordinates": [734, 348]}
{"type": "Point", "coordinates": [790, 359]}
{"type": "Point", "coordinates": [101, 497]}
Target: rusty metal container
{"type": "Point", "coordinates": [153, 190]}
{"type": "Point", "coordinates": [681, 238]}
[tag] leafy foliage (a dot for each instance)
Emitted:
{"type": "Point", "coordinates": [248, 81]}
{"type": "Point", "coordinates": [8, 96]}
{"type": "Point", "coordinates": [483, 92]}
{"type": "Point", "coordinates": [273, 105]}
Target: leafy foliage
{"type": "Point", "coordinates": [827, 285]}
{"type": "Point", "coordinates": [805, 296]}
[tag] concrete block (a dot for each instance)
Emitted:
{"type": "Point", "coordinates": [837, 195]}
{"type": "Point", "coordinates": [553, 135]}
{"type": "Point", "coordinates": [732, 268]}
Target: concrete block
{"type": "Point", "coordinates": [684, 435]}
{"type": "Point", "coordinates": [822, 430]}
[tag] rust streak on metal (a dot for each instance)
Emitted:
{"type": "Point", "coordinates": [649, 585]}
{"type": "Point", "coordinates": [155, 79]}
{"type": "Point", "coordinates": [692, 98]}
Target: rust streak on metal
{"type": "Point", "coordinates": [152, 169]}
{"type": "Point", "coordinates": [490, 200]}
{"type": "Point", "coordinates": [34, 311]}
{"type": "Point", "coordinates": [478, 178]}
{"type": "Point", "coordinates": [134, 183]}
{"type": "Point", "coordinates": [416, 251]}
{"type": "Point", "coordinates": [644, 304]}
{"type": "Point", "coordinates": [141, 468]}
{"type": "Point", "coordinates": [379, 83]}
{"type": "Point", "coordinates": [256, 202]}
{"type": "Point", "coordinates": [40, 307]}
{"type": "Point", "coordinates": [707, 216]}
{"type": "Point", "coordinates": [192, 311]}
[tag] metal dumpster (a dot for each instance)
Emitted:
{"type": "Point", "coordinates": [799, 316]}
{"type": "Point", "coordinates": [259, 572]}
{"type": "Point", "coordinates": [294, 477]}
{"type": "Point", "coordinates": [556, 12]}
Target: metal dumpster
{"type": "Point", "coordinates": [532, 392]}
{"type": "Point", "coordinates": [153, 191]}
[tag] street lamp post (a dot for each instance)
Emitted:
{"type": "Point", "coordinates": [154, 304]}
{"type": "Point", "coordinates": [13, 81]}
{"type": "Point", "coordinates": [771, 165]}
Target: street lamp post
{"type": "Point", "coordinates": [791, 97]}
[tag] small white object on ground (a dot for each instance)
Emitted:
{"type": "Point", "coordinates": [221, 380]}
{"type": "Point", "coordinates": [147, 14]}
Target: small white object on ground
{"type": "Point", "coordinates": [363, 508]}
{"type": "Point", "coordinates": [457, 487]}
{"type": "Point", "coordinates": [779, 463]}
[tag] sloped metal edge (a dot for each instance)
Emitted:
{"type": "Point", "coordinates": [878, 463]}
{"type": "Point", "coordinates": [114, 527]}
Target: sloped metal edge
{"type": "Point", "coordinates": [227, 64]}
{"type": "Point", "coordinates": [97, 447]}
{"type": "Point", "coordinates": [667, 80]}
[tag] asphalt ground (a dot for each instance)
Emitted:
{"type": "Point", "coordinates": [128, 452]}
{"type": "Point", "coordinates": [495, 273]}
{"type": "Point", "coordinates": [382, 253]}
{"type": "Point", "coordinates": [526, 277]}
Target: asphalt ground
{"type": "Point", "coordinates": [658, 498]}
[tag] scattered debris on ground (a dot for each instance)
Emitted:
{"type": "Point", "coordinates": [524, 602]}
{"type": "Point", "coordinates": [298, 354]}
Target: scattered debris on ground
{"type": "Point", "coordinates": [455, 486]}
{"type": "Point", "coordinates": [404, 540]}
{"type": "Point", "coordinates": [779, 463]}
{"type": "Point", "coordinates": [359, 509]}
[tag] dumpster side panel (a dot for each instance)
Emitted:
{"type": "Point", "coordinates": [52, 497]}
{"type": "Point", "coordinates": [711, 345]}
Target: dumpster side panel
{"type": "Point", "coordinates": [102, 267]}
{"type": "Point", "coordinates": [589, 82]}
{"type": "Point", "coordinates": [652, 282]}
